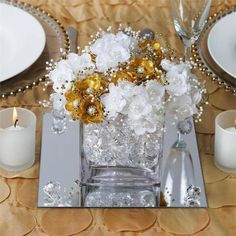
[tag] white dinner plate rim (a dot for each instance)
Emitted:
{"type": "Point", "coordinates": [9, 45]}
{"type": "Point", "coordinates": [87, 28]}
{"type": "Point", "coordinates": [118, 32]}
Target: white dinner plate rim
{"type": "Point", "coordinates": [40, 44]}
{"type": "Point", "coordinates": [211, 50]}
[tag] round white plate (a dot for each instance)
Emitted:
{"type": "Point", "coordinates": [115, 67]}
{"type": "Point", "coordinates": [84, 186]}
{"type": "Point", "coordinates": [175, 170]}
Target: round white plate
{"type": "Point", "coordinates": [22, 40]}
{"type": "Point", "coordinates": [222, 43]}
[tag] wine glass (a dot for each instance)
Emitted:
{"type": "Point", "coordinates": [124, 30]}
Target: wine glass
{"type": "Point", "coordinates": [178, 184]}
{"type": "Point", "coordinates": [189, 18]}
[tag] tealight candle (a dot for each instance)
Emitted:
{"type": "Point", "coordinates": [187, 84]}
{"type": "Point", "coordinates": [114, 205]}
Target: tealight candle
{"type": "Point", "coordinates": [225, 141]}
{"type": "Point", "coordinates": [17, 139]}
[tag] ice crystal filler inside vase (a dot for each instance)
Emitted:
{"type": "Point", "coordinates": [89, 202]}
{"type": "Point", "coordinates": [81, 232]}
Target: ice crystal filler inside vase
{"type": "Point", "coordinates": [125, 166]}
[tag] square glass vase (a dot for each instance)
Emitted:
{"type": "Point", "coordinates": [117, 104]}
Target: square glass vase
{"type": "Point", "coordinates": [118, 161]}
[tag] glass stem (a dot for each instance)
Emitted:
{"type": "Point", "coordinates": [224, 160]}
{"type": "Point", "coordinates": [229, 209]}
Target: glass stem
{"type": "Point", "coordinates": [179, 138]}
{"type": "Point", "coordinates": [180, 143]}
{"type": "Point", "coordinates": [185, 53]}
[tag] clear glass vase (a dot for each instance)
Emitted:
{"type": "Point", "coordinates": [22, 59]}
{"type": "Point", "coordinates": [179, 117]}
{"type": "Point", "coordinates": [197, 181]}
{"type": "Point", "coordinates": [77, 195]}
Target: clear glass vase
{"type": "Point", "coordinates": [113, 144]}
{"type": "Point", "coordinates": [120, 187]}
{"type": "Point", "coordinates": [123, 167]}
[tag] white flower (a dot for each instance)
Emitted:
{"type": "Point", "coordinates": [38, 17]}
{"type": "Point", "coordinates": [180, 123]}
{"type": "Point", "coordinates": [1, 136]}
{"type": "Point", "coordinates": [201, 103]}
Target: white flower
{"type": "Point", "coordinates": [58, 101]}
{"type": "Point", "coordinates": [126, 41]}
{"type": "Point", "coordinates": [180, 108]}
{"type": "Point", "coordinates": [109, 52]}
{"type": "Point", "coordinates": [178, 81]}
{"type": "Point", "coordinates": [156, 92]}
{"type": "Point", "coordinates": [177, 84]}
{"type": "Point", "coordinates": [62, 76]}
{"type": "Point", "coordinates": [178, 76]}
{"type": "Point", "coordinates": [139, 107]}
{"type": "Point", "coordinates": [140, 90]}
{"type": "Point", "coordinates": [113, 101]}
{"type": "Point", "coordinates": [136, 103]}
{"type": "Point", "coordinates": [80, 63]}
{"type": "Point", "coordinates": [166, 64]}
{"type": "Point", "coordinates": [112, 56]}
{"type": "Point", "coordinates": [126, 88]}
{"type": "Point", "coordinates": [98, 46]}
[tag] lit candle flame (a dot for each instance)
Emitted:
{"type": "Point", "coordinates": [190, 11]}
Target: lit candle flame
{"type": "Point", "coordinates": [14, 117]}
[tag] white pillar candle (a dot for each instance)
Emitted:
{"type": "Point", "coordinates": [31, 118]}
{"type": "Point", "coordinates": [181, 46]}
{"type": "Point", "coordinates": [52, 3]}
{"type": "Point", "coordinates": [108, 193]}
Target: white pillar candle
{"type": "Point", "coordinates": [17, 141]}
{"type": "Point", "coordinates": [225, 141]}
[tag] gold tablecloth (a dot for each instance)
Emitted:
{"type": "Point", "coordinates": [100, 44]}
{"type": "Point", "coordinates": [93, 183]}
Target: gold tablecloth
{"type": "Point", "coordinates": [19, 214]}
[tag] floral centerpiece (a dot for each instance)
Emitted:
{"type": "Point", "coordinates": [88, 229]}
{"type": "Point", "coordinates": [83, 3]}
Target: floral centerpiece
{"type": "Point", "coordinates": [122, 86]}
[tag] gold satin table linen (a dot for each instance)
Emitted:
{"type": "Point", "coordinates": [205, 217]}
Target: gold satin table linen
{"type": "Point", "coordinates": [19, 214]}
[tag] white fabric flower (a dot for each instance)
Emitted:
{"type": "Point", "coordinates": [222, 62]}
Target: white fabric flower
{"type": "Point", "coordinates": [126, 88]}
{"type": "Point", "coordinates": [180, 108]}
{"type": "Point", "coordinates": [139, 107]}
{"type": "Point", "coordinates": [62, 76]}
{"type": "Point", "coordinates": [140, 91]}
{"type": "Point", "coordinates": [177, 83]}
{"type": "Point", "coordinates": [113, 55]}
{"type": "Point", "coordinates": [167, 64]}
{"type": "Point", "coordinates": [177, 76]}
{"type": "Point", "coordinates": [110, 52]}
{"type": "Point", "coordinates": [142, 111]}
{"type": "Point", "coordinates": [126, 41]}
{"type": "Point", "coordinates": [98, 46]}
{"type": "Point", "coordinates": [80, 63]}
{"type": "Point", "coordinates": [113, 101]}
{"type": "Point", "coordinates": [156, 92]}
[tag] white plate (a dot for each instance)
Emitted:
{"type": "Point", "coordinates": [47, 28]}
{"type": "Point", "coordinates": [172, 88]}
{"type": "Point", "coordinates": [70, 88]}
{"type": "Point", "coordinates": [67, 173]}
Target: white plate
{"type": "Point", "coordinates": [222, 43]}
{"type": "Point", "coordinates": [22, 40]}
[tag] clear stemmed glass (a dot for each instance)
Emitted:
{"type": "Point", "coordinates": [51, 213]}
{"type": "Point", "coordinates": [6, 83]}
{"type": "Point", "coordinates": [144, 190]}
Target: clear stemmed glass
{"type": "Point", "coordinates": [189, 17]}
{"type": "Point", "coordinates": [178, 184]}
